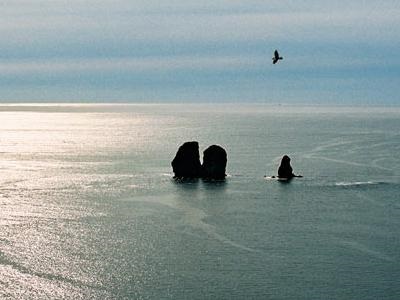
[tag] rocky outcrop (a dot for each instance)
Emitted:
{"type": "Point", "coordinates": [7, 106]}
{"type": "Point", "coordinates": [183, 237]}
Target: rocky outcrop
{"type": "Point", "coordinates": [285, 169]}
{"type": "Point", "coordinates": [214, 163]}
{"type": "Point", "coordinates": [186, 163]}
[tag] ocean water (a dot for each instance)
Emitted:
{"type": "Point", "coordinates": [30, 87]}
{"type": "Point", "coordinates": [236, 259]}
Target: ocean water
{"type": "Point", "coordinates": [89, 209]}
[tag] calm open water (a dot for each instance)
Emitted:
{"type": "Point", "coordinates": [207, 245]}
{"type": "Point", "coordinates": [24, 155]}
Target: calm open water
{"type": "Point", "coordinates": [89, 210]}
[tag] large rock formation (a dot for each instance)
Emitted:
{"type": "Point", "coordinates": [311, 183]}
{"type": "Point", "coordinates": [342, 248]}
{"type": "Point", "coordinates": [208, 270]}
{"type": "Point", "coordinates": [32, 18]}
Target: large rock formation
{"type": "Point", "coordinates": [186, 163]}
{"type": "Point", "coordinates": [214, 163]}
{"type": "Point", "coordinates": [285, 169]}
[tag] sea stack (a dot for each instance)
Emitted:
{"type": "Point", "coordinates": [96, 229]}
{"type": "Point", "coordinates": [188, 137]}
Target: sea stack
{"type": "Point", "coordinates": [285, 169]}
{"type": "Point", "coordinates": [186, 163]}
{"type": "Point", "coordinates": [214, 163]}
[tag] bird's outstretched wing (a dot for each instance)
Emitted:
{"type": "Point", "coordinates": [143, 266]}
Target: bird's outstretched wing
{"type": "Point", "coordinates": [276, 55]}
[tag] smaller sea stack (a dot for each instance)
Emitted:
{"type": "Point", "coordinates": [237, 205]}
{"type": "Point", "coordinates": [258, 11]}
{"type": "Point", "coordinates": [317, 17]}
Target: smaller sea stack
{"type": "Point", "coordinates": [285, 169]}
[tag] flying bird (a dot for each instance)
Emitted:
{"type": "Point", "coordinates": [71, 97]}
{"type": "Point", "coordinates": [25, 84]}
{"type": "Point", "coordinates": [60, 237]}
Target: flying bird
{"type": "Point", "coordinates": [276, 57]}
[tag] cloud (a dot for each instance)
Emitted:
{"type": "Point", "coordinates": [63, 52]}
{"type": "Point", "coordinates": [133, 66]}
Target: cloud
{"type": "Point", "coordinates": [176, 21]}
{"type": "Point", "coordinates": [147, 64]}
{"type": "Point", "coordinates": [223, 44]}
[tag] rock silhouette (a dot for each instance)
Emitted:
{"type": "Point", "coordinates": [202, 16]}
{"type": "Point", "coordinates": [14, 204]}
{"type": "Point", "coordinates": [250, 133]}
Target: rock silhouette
{"type": "Point", "coordinates": [285, 169]}
{"type": "Point", "coordinates": [186, 163]}
{"type": "Point", "coordinates": [214, 163]}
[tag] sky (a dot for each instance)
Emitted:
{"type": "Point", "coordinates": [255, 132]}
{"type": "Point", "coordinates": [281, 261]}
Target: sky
{"type": "Point", "coordinates": [334, 52]}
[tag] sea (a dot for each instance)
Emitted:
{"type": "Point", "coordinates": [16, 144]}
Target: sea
{"type": "Point", "coordinates": [89, 208]}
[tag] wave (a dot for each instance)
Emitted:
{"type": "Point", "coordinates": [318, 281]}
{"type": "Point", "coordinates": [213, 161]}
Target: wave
{"type": "Point", "coordinates": [365, 249]}
{"type": "Point", "coordinates": [359, 183]}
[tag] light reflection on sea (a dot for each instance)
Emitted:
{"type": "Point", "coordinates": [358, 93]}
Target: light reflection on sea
{"type": "Point", "coordinates": [88, 208]}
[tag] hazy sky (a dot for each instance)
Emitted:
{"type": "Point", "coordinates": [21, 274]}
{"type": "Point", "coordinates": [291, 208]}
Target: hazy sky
{"type": "Point", "coordinates": [345, 52]}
